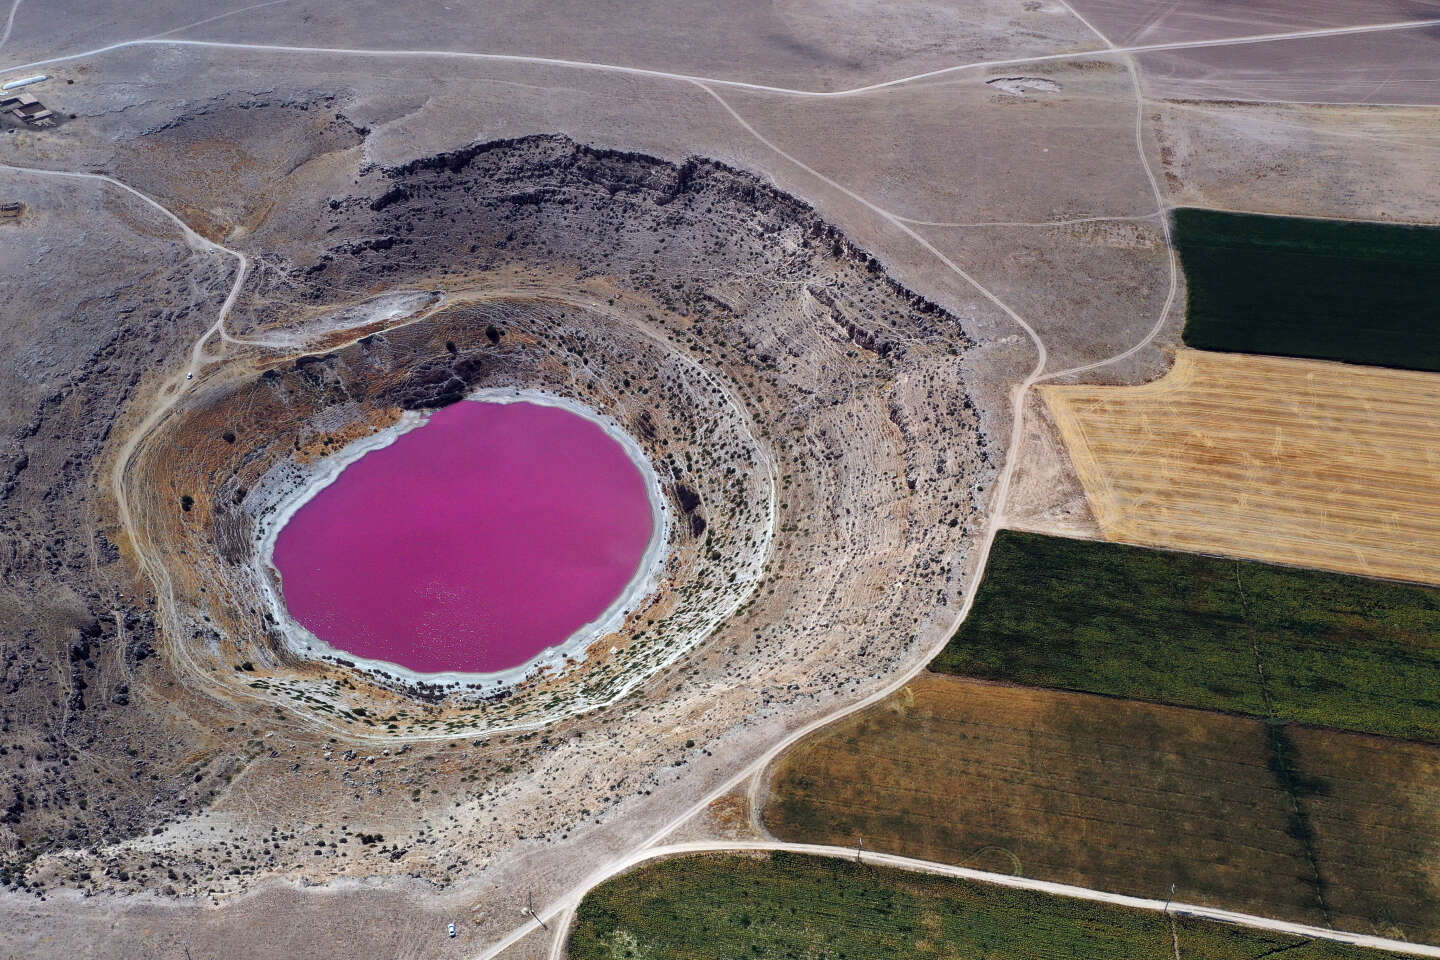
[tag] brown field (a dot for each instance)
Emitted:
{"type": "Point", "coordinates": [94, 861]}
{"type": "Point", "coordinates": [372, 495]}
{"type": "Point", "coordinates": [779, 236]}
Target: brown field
{"type": "Point", "coordinates": [1131, 797]}
{"type": "Point", "coordinates": [1292, 461]}
{"type": "Point", "coordinates": [1374, 820]}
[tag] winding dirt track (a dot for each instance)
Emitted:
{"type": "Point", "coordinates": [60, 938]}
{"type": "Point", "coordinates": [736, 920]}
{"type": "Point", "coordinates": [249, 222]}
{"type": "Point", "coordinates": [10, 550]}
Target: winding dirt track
{"type": "Point", "coordinates": [1108, 50]}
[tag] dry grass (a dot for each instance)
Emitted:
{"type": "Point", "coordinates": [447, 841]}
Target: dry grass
{"type": "Point", "coordinates": [1128, 796]}
{"type": "Point", "coordinates": [1292, 461]}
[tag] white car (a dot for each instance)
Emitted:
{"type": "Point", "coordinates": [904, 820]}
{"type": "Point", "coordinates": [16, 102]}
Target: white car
{"type": "Point", "coordinates": [451, 929]}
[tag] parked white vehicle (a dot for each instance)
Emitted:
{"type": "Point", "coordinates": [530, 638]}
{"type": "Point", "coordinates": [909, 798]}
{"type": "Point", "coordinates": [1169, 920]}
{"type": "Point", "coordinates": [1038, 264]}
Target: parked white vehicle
{"type": "Point", "coordinates": [24, 82]}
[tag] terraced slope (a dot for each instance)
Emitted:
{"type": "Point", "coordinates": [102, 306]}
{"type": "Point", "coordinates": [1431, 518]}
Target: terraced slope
{"type": "Point", "coordinates": [1292, 461]}
{"type": "Point", "coordinates": [1360, 292]}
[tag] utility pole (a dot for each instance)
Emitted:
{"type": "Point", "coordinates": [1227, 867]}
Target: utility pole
{"type": "Point", "coordinates": [859, 849]}
{"type": "Point", "coordinates": [530, 909]}
{"type": "Point", "coordinates": [1174, 930]}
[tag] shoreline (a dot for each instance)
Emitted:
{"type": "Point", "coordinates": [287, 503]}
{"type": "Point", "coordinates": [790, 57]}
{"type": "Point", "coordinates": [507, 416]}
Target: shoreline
{"type": "Point", "coordinates": [302, 642]}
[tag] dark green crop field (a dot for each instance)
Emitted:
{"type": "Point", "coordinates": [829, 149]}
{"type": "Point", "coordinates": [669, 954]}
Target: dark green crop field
{"type": "Point", "coordinates": [796, 907]}
{"type": "Point", "coordinates": [1357, 292]}
{"type": "Point", "coordinates": [1333, 650]}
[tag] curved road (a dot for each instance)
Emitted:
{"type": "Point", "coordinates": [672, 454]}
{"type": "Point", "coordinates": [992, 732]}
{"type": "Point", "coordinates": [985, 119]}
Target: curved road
{"type": "Point", "coordinates": [160, 40]}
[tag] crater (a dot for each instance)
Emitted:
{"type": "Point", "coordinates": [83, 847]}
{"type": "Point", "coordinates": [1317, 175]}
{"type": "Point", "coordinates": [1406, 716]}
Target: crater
{"type": "Point", "coordinates": [812, 459]}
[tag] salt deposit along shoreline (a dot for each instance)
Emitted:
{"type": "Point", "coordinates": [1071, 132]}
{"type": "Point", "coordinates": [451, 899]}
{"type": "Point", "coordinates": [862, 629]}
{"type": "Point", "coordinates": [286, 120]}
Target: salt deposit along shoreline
{"type": "Point", "coordinates": [301, 641]}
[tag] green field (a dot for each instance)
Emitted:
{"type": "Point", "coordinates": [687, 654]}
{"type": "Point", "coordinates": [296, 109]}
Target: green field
{"type": "Point", "coordinates": [1336, 651]}
{"type": "Point", "coordinates": [795, 907]}
{"type": "Point", "coordinates": [1330, 290]}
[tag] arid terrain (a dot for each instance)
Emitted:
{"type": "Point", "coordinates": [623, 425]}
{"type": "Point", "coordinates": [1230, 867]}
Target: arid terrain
{"type": "Point", "coordinates": [863, 281]}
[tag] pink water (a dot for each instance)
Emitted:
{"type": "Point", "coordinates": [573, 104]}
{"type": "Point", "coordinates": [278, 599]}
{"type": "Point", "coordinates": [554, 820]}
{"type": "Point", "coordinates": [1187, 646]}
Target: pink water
{"type": "Point", "coordinates": [472, 543]}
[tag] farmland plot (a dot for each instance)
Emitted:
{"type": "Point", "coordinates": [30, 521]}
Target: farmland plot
{"type": "Point", "coordinates": [1291, 461]}
{"type": "Point", "coordinates": [1315, 826]}
{"type": "Point", "coordinates": [788, 906]}
{"type": "Point", "coordinates": [1326, 289]}
{"type": "Point", "coordinates": [1308, 646]}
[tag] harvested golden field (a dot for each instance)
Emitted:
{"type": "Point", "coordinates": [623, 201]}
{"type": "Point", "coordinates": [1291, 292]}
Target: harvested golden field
{"type": "Point", "coordinates": [1282, 821]}
{"type": "Point", "coordinates": [1293, 461]}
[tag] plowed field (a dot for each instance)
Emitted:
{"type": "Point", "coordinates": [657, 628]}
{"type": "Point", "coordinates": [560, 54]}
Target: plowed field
{"type": "Point", "coordinates": [1293, 461]}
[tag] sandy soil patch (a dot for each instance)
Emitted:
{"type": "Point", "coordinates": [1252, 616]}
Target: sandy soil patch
{"type": "Point", "coordinates": [1323, 161]}
{"type": "Point", "coordinates": [1045, 493]}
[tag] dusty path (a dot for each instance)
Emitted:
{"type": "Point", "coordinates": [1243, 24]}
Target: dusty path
{"type": "Point", "coordinates": [170, 392]}
{"type": "Point", "coordinates": [162, 40]}
{"type": "Point", "coordinates": [10, 22]}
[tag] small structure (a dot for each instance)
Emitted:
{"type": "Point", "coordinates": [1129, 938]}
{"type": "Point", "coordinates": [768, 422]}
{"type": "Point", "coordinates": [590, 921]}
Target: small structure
{"type": "Point", "coordinates": [1016, 86]}
{"type": "Point", "coordinates": [11, 209]}
{"type": "Point", "coordinates": [26, 109]}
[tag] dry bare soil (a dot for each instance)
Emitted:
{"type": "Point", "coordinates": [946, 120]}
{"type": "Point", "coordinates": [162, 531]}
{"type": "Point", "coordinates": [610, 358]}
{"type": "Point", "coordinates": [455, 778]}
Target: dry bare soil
{"type": "Point", "coordinates": [1292, 461]}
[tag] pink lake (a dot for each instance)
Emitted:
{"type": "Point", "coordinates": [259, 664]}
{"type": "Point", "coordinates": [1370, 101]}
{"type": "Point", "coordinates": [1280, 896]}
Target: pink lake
{"type": "Point", "coordinates": [471, 543]}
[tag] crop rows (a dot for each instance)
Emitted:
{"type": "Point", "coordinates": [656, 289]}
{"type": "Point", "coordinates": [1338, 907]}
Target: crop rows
{"type": "Point", "coordinates": [1290, 461]}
